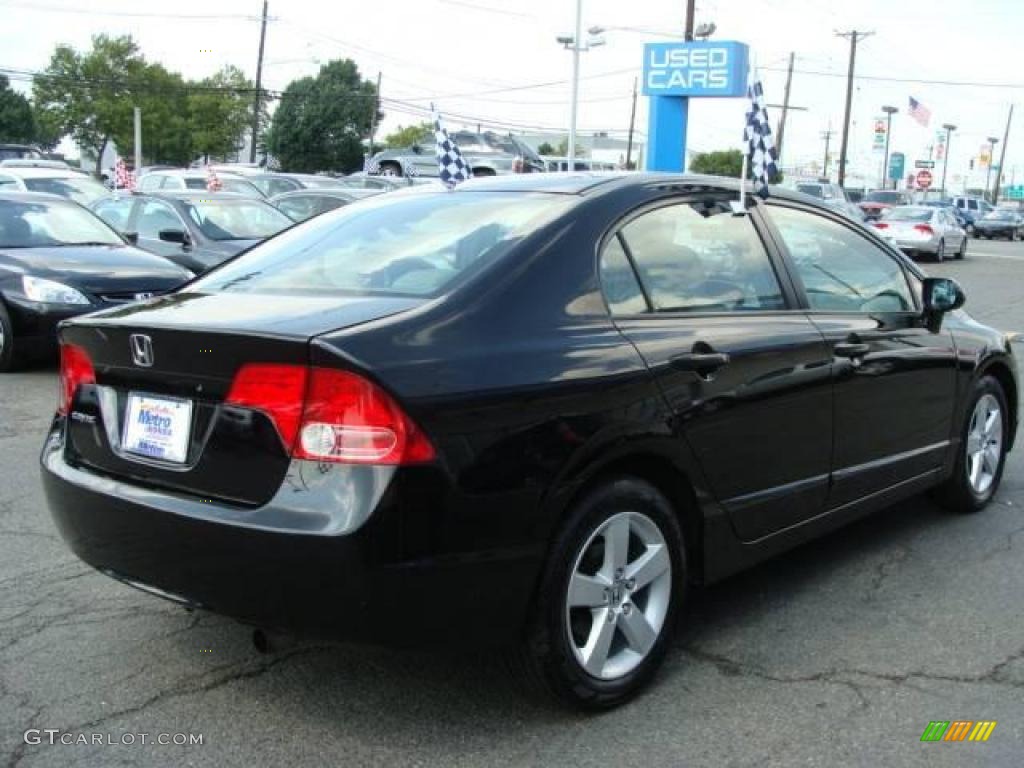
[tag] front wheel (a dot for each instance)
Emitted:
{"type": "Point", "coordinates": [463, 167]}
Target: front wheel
{"type": "Point", "coordinates": [982, 450]}
{"type": "Point", "coordinates": [609, 597]}
{"type": "Point", "coordinates": [940, 252]}
{"type": "Point", "coordinates": [10, 358]}
{"type": "Point", "coordinates": [392, 170]}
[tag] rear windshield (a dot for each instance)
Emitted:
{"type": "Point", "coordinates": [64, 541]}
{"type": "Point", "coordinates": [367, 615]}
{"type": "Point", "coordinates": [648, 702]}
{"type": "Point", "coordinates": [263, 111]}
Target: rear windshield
{"type": "Point", "coordinates": [81, 189]}
{"type": "Point", "coordinates": [814, 190]}
{"type": "Point", "coordinates": [908, 214]}
{"type": "Point", "coordinates": [406, 244]}
{"type": "Point", "coordinates": [884, 197]}
{"type": "Point", "coordinates": [222, 218]}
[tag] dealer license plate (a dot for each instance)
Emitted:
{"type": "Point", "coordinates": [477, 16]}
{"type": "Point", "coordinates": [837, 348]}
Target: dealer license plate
{"type": "Point", "coordinates": [157, 427]}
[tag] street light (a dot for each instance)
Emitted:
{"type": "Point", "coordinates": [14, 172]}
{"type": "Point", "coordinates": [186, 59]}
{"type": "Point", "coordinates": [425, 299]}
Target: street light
{"type": "Point", "coordinates": [945, 161]}
{"type": "Point", "coordinates": [991, 156]}
{"type": "Point", "coordinates": [573, 44]}
{"type": "Point", "coordinates": [889, 112]}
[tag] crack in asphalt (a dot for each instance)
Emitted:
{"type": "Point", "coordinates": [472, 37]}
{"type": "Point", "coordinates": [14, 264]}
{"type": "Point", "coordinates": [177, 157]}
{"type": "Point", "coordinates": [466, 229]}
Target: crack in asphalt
{"type": "Point", "coordinates": [886, 568]}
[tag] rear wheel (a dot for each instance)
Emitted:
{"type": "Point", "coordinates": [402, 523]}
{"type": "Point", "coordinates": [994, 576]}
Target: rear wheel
{"type": "Point", "coordinates": [982, 450]}
{"type": "Point", "coordinates": [609, 597]}
{"type": "Point", "coordinates": [390, 169]}
{"type": "Point", "coordinates": [10, 357]}
{"type": "Point", "coordinates": [963, 248]}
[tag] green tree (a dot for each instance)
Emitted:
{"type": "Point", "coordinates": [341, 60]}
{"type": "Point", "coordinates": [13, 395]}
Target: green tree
{"type": "Point", "coordinates": [408, 135]}
{"type": "Point", "coordinates": [48, 127]}
{"type": "Point", "coordinates": [220, 112]}
{"type": "Point", "coordinates": [321, 121]}
{"type": "Point", "coordinates": [563, 149]}
{"type": "Point", "coordinates": [547, 149]}
{"type": "Point", "coordinates": [89, 94]}
{"type": "Point", "coordinates": [17, 123]}
{"type": "Point", "coordinates": [163, 101]}
{"type": "Point", "coordinates": [727, 162]}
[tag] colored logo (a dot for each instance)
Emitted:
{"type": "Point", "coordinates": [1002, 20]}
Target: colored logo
{"type": "Point", "coordinates": [958, 730]}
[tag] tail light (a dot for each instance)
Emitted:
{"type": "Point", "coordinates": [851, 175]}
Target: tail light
{"type": "Point", "coordinates": [925, 228]}
{"type": "Point", "coordinates": [75, 369]}
{"type": "Point", "coordinates": [518, 165]}
{"type": "Point", "coordinates": [325, 414]}
{"type": "Point", "coordinates": [881, 225]}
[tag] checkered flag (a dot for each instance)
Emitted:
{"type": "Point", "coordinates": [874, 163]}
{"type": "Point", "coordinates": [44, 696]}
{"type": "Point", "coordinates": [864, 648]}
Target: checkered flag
{"type": "Point", "coordinates": [123, 178]}
{"type": "Point", "coordinates": [759, 144]}
{"type": "Point", "coordinates": [370, 166]}
{"type": "Point", "coordinates": [451, 167]}
{"type": "Point", "coordinates": [213, 182]}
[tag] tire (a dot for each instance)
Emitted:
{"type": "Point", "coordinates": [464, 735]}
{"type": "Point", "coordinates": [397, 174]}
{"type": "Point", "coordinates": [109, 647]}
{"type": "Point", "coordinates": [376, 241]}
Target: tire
{"type": "Point", "coordinates": [963, 249]}
{"type": "Point", "coordinates": [971, 230]}
{"type": "Point", "coordinates": [390, 169]}
{"type": "Point", "coordinates": [940, 252]}
{"type": "Point", "coordinates": [10, 356]}
{"type": "Point", "coordinates": [609, 611]}
{"type": "Point", "coordinates": [960, 493]}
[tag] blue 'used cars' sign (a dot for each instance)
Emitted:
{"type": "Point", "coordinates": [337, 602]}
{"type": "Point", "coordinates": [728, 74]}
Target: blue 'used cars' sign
{"type": "Point", "coordinates": [706, 68]}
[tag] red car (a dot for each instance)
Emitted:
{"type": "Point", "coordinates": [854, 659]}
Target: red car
{"type": "Point", "coordinates": [878, 201]}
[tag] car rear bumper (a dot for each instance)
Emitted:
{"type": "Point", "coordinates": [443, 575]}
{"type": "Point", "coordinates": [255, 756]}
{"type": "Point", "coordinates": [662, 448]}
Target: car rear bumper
{"type": "Point", "coordinates": [361, 585]}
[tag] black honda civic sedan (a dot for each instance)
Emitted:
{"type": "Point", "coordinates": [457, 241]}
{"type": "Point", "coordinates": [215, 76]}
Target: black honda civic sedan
{"type": "Point", "coordinates": [58, 260]}
{"type": "Point", "coordinates": [531, 412]}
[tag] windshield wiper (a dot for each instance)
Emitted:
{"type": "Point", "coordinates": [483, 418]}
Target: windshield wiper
{"type": "Point", "coordinates": [84, 242]}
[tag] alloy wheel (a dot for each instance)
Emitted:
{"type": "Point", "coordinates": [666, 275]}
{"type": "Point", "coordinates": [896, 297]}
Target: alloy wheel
{"type": "Point", "coordinates": [984, 444]}
{"type": "Point", "coordinates": [618, 595]}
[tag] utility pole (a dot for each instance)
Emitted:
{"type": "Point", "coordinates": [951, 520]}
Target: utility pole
{"type": "Point", "coordinates": [853, 36]}
{"type": "Point", "coordinates": [945, 157]}
{"type": "Point", "coordinates": [138, 141]}
{"type": "Point", "coordinates": [827, 136]}
{"type": "Point", "coordinates": [889, 112]}
{"type": "Point", "coordinates": [785, 110]}
{"type": "Point", "coordinates": [575, 85]}
{"type": "Point", "coordinates": [1002, 157]}
{"type": "Point", "coordinates": [991, 156]}
{"type": "Point", "coordinates": [373, 120]}
{"type": "Point", "coordinates": [632, 120]}
{"type": "Point", "coordinates": [689, 20]}
{"type": "Point", "coordinates": [259, 85]}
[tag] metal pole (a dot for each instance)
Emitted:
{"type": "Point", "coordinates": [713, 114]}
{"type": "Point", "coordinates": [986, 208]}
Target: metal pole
{"type": "Point", "coordinates": [632, 120]}
{"type": "Point", "coordinates": [138, 139]}
{"type": "Point", "coordinates": [888, 133]}
{"type": "Point", "coordinates": [1002, 157]}
{"type": "Point", "coordinates": [571, 165]}
{"type": "Point", "coordinates": [945, 158]}
{"type": "Point", "coordinates": [259, 85]}
{"type": "Point", "coordinates": [827, 135]}
{"type": "Point", "coordinates": [373, 119]}
{"type": "Point", "coordinates": [785, 110]}
{"type": "Point", "coordinates": [689, 20]}
{"type": "Point", "coordinates": [991, 156]}
{"type": "Point", "coordinates": [854, 37]}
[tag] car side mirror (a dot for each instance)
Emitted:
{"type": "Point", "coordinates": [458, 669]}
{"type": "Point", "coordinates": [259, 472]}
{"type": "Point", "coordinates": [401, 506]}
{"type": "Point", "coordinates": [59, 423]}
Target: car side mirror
{"type": "Point", "coordinates": [174, 236]}
{"type": "Point", "coordinates": [941, 295]}
{"type": "Point", "coordinates": [132, 238]}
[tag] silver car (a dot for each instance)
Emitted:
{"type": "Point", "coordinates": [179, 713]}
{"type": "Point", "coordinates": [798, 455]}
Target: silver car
{"type": "Point", "coordinates": [919, 229]}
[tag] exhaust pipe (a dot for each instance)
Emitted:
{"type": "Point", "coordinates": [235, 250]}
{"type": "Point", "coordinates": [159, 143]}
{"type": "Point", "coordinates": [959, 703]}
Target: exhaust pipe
{"type": "Point", "coordinates": [269, 641]}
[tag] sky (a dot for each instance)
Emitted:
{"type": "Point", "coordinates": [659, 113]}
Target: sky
{"type": "Point", "coordinates": [493, 61]}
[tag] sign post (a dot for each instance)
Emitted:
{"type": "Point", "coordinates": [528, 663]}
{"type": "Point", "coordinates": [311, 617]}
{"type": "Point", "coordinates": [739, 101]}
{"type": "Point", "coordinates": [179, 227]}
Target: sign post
{"type": "Point", "coordinates": [673, 72]}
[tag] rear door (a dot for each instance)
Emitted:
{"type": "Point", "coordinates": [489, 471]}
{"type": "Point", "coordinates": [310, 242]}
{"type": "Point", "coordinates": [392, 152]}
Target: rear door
{"type": "Point", "coordinates": [745, 375]}
{"type": "Point", "coordinates": [894, 377]}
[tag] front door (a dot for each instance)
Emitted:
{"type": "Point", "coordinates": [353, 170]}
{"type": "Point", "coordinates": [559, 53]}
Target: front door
{"type": "Point", "coordinates": [744, 374]}
{"type": "Point", "coordinates": [894, 377]}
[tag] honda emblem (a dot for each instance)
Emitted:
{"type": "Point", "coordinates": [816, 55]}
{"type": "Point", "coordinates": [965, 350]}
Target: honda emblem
{"type": "Point", "coordinates": [142, 349]}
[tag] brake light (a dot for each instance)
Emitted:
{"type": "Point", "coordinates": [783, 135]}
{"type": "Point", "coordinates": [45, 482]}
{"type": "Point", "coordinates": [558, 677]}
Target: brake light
{"type": "Point", "coordinates": [881, 225]}
{"type": "Point", "coordinates": [518, 165]}
{"type": "Point", "coordinates": [75, 369]}
{"type": "Point", "coordinates": [926, 228]}
{"type": "Point", "coordinates": [324, 414]}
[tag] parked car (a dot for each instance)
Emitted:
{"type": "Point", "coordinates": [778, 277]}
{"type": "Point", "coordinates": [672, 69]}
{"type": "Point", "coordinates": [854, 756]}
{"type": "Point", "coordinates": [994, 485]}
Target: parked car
{"type": "Point", "coordinates": [963, 218]}
{"type": "Point", "coordinates": [19, 151]}
{"type": "Point", "coordinates": [878, 200]}
{"type": "Point", "coordinates": [364, 181]}
{"type": "Point", "coordinates": [923, 230]}
{"type": "Point", "coordinates": [975, 207]}
{"type": "Point", "coordinates": [197, 230]}
{"type": "Point", "coordinates": [1001, 222]}
{"type": "Point", "coordinates": [271, 184]}
{"type": "Point", "coordinates": [488, 154]}
{"type": "Point", "coordinates": [68, 183]}
{"type": "Point", "coordinates": [304, 204]}
{"type": "Point", "coordinates": [443, 404]}
{"type": "Point", "coordinates": [831, 195]}
{"type": "Point", "coordinates": [557, 164]}
{"type": "Point", "coordinates": [169, 181]}
{"type": "Point", "coordinates": [58, 260]}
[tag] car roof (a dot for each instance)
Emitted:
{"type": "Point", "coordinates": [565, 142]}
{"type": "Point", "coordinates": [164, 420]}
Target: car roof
{"type": "Point", "coordinates": [29, 197]}
{"type": "Point", "coordinates": [45, 173]}
{"type": "Point", "coordinates": [340, 192]}
{"type": "Point", "coordinates": [194, 194]}
{"type": "Point", "coordinates": [192, 173]}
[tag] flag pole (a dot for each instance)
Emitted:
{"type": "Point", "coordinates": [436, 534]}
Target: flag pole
{"type": "Point", "coordinates": [741, 206]}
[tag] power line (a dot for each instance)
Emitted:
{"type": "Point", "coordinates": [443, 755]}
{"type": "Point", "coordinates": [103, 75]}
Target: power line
{"type": "Point", "coordinates": [90, 11]}
{"type": "Point", "coordinates": [915, 80]}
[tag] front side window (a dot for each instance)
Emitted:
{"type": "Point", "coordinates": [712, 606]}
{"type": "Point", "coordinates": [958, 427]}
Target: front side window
{"type": "Point", "coordinates": [699, 257]}
{"type": "Point", "coordinates": [842, 271]}
{"type": "Point", "coordinates": [156, 216]}
{"type": "Point", "coordinates": [300, 207]}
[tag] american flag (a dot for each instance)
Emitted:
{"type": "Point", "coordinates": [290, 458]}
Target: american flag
{"type": "Point", "coordinates": [758, 138]}
{"type": "Point", "coordinates": [213, 182]}
{"type": "Point", "coordinates": [123, 178]}
{"type": "Point", "coordinates": [451, 167]}
{"type": "Point", "coordinates": [920, 112]}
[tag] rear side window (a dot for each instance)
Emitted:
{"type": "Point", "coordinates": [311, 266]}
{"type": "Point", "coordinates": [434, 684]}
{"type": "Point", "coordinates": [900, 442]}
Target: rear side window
{"type": "Point", "coordinates": [699, 257]}
{"type": "Point", "coordinates": [619, 282]}
{"type": "Point", "coordinates": [407, 244]}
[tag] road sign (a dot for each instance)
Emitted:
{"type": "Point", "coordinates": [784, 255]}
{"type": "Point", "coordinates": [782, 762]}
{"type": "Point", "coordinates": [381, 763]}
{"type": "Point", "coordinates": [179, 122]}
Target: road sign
{"type": "Point", "coordinates": [1016, 192]}
{"type": "Point", "coordinates": [897, 161]}
{"type": "Point", "coordinates": [924, 163]}
{"type": "Point", "coordinates": [924, 178]}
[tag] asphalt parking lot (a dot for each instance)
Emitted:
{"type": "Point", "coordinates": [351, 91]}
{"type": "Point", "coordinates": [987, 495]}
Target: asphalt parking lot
{"type": "Point", "coordinates": [838, 653]}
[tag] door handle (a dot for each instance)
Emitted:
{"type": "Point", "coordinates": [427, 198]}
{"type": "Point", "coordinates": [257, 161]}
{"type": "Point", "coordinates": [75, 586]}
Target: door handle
{"type": "Point", "coordinates": [851, 349]}
{"type": "Point", "coordinates": [700, 362]}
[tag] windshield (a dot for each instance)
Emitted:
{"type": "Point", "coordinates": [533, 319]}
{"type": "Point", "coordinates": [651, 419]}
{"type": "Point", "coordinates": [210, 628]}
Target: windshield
{"type": "Point", "coordinates": [409, 244]}
{"type": "Point", "coordinates": [814, 190]}
{"type": "Point", "coordinates": [18, 153]}
{"type": "Point", "coordinates": [908, 214]}
{"type": "Point", "coordinates": [40, 224]}
{"type": "Point", "coordinates": [80, 189]}
{"type": "Point", "coordinates": [881, 196]}
{"type": "Point", "coordinates": [233, 219]}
